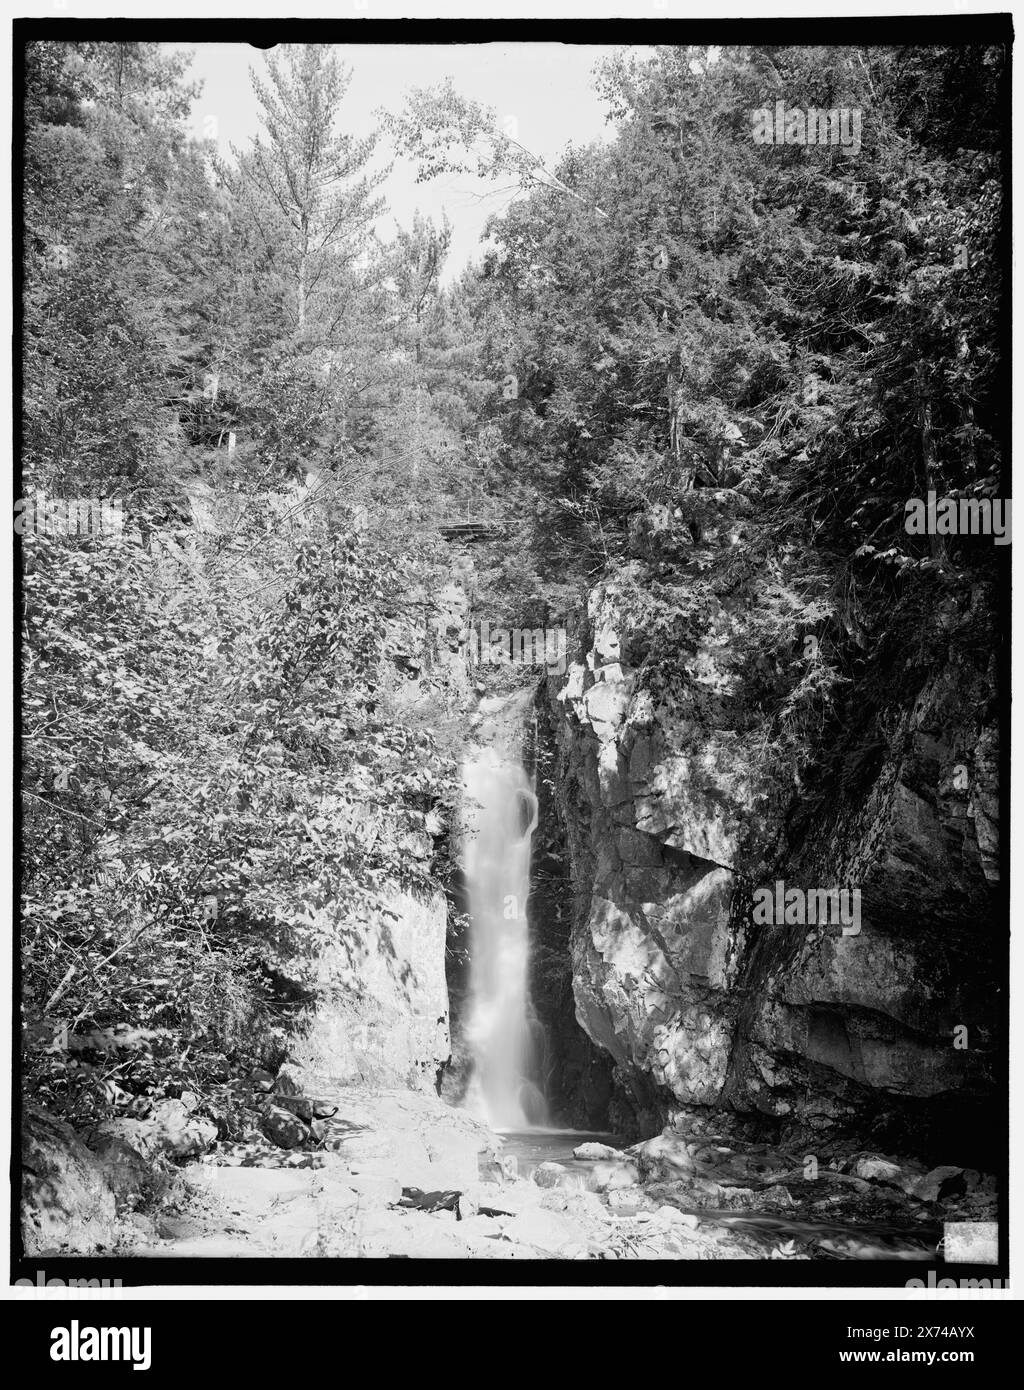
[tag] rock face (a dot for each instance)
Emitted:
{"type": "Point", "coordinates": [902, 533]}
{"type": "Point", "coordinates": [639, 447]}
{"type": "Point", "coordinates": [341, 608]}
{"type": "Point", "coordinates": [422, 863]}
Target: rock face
{"type": "Point", "coordinates": [672, 818]}
{"type": "Point", "coordinates": [577, 1074]}
{"type": "Point", "coordinates": [67, 1204]}
{"type": "Point", "coordinates": [125, 1171]}
{"type": "Point", "coordinates": [378, 1000]}
{"type": "Point", "coordinates": [381, 1013]}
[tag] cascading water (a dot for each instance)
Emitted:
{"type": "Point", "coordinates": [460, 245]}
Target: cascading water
{"type": "Point", "coordinates": [504, 1036]}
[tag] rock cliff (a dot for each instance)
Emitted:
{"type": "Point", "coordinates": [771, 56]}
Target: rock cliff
{"type": "Point", "coordinates": [673, 815]}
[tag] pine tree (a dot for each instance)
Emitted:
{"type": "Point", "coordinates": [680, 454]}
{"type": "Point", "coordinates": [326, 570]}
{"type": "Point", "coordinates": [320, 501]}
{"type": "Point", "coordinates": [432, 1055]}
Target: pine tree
{"type": "Point", "coordinates": [305, 184]}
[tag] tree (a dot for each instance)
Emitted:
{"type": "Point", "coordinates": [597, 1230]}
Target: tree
{"type": "Point", "coordinates": [306, 186]}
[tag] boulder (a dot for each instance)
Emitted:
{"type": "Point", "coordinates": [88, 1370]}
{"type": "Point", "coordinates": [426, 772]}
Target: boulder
{"type": "Point", "coordinates": [66, 1203]}
{"type": "Point", "coordinates": [672, 1216]}
{"type": "Point", "coordinates": [606, 1177]}
{"type": "Point", "coordinates": [877, 1169]}
{"type": "Point", "coordinates": [586, 1208]}
{"type": "Point", "coordinates": [550, 1174]}
{"type": "Point", "coordinates": [128, 1175]}
{"type": "Point", "coordinates": [298, 1105]}
{"type": "Point", "coordinates": [947, 1181]}
{"type": "Point", "coordinates": [628, 1199]}
{"type": "Point", "coordinates": [664, 1157]}
{"type": "Point", "coordinates": [170, 1130]}
{"type": "Point", "coordinates": [589, 1152]}
{"type": "Point", "coordinates": [284, 1129]}
{"type": "Point", "coordinates": [289, 1080]}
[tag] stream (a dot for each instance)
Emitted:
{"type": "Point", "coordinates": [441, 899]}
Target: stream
{"type": "Point", "coordinates": [529, 1148]}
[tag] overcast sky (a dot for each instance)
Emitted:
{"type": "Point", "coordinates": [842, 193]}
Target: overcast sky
{"type": "Point", "coordinates": [545, 88]}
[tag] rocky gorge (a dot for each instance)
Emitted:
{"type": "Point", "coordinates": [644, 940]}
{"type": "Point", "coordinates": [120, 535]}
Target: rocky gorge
{"type": "Point", "coordinates": [776, 1092]}
{"type": "Point", "coordinates": [512, 765]}
{"type": "Point", "coordinates": [670, 818]}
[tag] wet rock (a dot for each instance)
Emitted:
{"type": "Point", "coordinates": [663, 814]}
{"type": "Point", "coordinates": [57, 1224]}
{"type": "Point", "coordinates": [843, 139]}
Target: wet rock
{"type": "Point", "coordinates": [940, 1184]}
{"type": "Point", "coordinates": [607, 1177]}
{"type": "Point", "coordinates": [585, 1208]}
{"type": "Point", "coordinates": [672, 1216]}
{"type": "Point", "coordinates": [628, 1199]}
{"type": "Point", "coordinates": [664, 1157]}
{"type": "Point", "coordinates": [876, 1169]}
{"type": "Point", "coordinates": [596, 1151]}
{"type": "Point", "coordinates": [550, 1174]}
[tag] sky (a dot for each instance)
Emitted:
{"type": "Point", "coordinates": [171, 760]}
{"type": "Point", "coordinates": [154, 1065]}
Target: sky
{"type": "Point", "coordinates": [542, 94]}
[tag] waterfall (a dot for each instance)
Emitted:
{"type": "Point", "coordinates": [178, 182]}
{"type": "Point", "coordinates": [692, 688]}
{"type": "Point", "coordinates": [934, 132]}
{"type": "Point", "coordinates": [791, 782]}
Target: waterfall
{"type": "Point", "coordinates": [503, 1033]}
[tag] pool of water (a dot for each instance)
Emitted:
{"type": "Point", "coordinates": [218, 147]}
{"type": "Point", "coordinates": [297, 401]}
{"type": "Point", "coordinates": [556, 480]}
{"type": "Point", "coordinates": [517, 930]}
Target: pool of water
{"type": "Point", "coordinates": [831, 1239]}
{"type": "Point", "coordinates": [532, 1147]}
